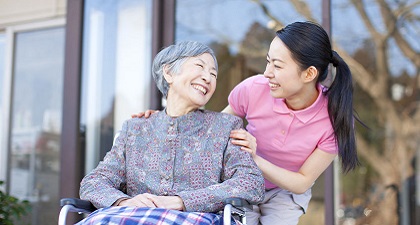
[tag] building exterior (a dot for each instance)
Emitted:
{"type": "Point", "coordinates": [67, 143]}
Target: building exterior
{"type": "Point", "coordinates": [72, 71]}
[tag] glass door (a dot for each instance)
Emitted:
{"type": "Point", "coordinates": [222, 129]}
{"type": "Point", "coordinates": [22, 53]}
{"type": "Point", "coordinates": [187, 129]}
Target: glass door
{"type": "Point", "coordinates": [3, 119]}
{"type": "Point", "coordinates": [35, 114]}
{"type": "Point", "coordinates": [116, 71]}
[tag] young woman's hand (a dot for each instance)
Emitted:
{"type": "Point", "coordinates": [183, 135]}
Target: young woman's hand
{"type": "Point", "coordinates": [244, 139]}
{"type": "Point", "coordinates": [145, 114]}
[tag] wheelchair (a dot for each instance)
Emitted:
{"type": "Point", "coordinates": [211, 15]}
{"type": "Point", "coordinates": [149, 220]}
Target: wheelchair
{"type": "Point", "coordinates": [234, 207]}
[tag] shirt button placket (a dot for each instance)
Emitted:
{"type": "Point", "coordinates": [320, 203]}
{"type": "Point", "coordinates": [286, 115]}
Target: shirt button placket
{"type": "Point", "coordinates": [168, 161]}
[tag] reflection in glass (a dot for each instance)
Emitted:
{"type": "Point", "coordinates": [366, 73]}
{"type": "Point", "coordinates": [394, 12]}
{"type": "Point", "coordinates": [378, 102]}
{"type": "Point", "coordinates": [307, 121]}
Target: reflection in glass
{"type": "Point", "coordinates": [2, 68]}
{"type": "Point", "coordinates": [36, 121]}
{"type": "Point", "coordinates": [116, 70]}
{"type": "Point", "coordinates": [382, 44]}
{"type": "Point", "coordinates": [3, 153]}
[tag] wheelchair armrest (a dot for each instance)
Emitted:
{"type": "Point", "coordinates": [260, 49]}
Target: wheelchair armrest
{"type": "Point", "coordinates": [78, 203]}
{"type": "Point", "coordinates": [239, 203]}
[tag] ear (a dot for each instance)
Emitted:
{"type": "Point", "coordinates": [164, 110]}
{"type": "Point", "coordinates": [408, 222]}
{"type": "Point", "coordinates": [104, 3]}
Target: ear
{"type": "Point", "coordinates": [168, 77]}
{"type": "Point", "coordinates": [310, 74]}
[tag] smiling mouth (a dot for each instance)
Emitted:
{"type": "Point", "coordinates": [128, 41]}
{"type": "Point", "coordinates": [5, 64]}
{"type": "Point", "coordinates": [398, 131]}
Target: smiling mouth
{"type": "Point", "coordinates": [200, 88]}
{"type": "Point", "coordinates": [274, 85]}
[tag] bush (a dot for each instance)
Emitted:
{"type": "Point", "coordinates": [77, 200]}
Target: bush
{"type": "Point", "coordinates": [11, 208]}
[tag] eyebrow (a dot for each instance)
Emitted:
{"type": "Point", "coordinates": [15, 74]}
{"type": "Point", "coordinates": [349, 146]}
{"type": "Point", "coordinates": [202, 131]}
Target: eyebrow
{"type": "Point", "coordinates": [213, 68]}
{"type": "Point", "coordinates": [279, 60]}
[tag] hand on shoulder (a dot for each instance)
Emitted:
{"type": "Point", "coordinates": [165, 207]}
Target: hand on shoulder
{"type": "Point", "coordinates": [145, 114]}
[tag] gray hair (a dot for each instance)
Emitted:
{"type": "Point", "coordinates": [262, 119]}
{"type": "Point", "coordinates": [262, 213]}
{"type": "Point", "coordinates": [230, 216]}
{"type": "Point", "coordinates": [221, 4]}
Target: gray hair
{"type": "Point", "coordinates": [174, 56]}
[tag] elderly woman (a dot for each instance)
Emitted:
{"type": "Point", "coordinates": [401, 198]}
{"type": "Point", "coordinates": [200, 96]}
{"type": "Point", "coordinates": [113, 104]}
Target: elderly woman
{"type": "Point", "coordinates": [178, 165]}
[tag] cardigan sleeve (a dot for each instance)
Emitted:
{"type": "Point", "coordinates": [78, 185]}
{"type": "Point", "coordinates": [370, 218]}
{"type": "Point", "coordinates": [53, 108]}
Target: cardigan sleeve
{"type": "Point", "coordinates": [240, 178]}
{"type": "Point", "coordinates": [103, 186]}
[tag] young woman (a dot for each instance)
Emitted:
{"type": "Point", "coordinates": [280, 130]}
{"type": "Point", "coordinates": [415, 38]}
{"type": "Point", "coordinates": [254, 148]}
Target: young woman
{"type": "Point", "coordinates": [299, 120]}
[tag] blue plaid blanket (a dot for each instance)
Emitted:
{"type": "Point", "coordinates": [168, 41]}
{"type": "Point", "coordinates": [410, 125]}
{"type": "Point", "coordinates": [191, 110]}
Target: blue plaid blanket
{"type": "Point", "coordinates": [150, 216]}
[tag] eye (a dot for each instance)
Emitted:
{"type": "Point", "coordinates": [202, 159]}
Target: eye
{"type": "Point", "coordinates": [214, 75]}
{"type": "Point", "coordinates": [199, 65]}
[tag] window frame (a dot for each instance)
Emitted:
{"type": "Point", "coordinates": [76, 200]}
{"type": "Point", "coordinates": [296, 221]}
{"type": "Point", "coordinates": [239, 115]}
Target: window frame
{"type": "Point", "coordinates": [7, 90]}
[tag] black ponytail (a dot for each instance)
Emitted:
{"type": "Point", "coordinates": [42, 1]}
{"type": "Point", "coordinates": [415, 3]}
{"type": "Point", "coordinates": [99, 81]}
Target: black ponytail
{"type": "Point", "coordinates": [340, 110]}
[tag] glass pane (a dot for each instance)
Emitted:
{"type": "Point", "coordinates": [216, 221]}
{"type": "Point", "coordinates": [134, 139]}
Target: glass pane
{"type": "Point", "coordinates": [382, 44]}
{"type": "Point", "coordinates": [116, 70]}
{"type": "Point", "coordinates": [36, 121]}
{"type": "Point", "coordinates": [3, 94]}
{"type": "Point", "coordinates": [2, 69]}
{"type": "Point", "coordinates": [241, 40]}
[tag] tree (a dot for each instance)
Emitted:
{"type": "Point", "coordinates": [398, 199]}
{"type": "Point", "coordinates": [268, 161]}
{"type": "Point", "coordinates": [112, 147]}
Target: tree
{"type": "Point", "coordinates": [394, 114]}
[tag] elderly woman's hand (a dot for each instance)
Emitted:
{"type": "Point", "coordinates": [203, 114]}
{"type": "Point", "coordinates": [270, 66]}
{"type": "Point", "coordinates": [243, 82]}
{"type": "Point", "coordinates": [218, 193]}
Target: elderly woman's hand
{"type": "Point", "coordinates": [141, 200]}
{"type": "Point", "coordinates": [153, 201]}
{"type": "Point", "coordinates": [244, 139]}
{"type": "Point", "coordinates": [145, 114]}
{"type": "Point", "coordinates": [168, 202]}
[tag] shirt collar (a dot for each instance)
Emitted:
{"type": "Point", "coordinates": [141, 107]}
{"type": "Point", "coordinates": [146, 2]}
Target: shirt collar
{"type": "Point", "coordinates": [306, 114]}
{"type": "Point", "coordinates": [188, 121]}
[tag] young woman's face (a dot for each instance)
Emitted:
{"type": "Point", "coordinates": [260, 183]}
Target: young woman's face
{"type": "Point", "coordinates": [282, 71]}
{"type": "Point", "coordinates": [194, 85]}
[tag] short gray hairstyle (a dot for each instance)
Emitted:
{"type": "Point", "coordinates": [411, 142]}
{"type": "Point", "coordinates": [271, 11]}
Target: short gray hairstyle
{"type": "Point", "coordinates": [174, 56]}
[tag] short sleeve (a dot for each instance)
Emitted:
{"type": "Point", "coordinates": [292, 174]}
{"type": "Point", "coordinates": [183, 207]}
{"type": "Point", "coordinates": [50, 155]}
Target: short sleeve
{"type": "Point", "coordinates": [328, 143]}
{"type": "Point", "coordinates": [239, 97]}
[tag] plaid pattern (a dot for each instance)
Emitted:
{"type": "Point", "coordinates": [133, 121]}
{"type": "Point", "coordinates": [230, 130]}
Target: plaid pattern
{"type": "Point", "coordinates": [150, 216]}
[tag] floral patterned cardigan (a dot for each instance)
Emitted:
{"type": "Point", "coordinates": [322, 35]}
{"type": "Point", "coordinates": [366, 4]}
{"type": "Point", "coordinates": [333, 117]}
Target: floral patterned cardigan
{"type": "Point", "coordinates": [190, 156]}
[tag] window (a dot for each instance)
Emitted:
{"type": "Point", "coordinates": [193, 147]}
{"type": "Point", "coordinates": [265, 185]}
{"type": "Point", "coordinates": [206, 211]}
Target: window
{"type": "Point", "coordinates": [385, 188]}
{"type": "Point", "coordinates": [2, 64]}
{"type": "Point", "coordinates": [3, 96]}
{"type": "Point", "coordinates": [35, 114]}
{"type": "Point", "coordinates": [116, 75]}
{"type": "Point", "coordinates": [240, 33]}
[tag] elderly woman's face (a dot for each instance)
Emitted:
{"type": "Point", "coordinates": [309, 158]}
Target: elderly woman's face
{"type": "Point", "coordinates": [195, 83]}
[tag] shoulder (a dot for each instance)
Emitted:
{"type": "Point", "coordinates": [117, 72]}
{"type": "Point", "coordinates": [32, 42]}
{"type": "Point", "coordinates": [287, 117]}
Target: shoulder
{"type": "Point", "coordinates": [220, 117]}
{"type": "Point", "coordinates": [137, 123]}
{"type": "Point", "coordinates": [258, 79]}
{"type": "Point", "coordinates": [253, 85]}
{"type": "Point", "coordinates": [248, 88]}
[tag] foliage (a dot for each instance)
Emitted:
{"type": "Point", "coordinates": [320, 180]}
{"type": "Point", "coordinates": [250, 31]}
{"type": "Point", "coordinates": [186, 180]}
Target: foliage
{"type": "Point", "coordinates": [11, 208]}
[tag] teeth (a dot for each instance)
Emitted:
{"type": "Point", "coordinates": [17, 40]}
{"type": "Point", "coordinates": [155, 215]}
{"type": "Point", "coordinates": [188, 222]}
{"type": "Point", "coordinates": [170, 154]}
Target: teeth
{"type": "Point", "coordinates": [200, 88]}
{"type": "Point", "coordinates": [274, 85]}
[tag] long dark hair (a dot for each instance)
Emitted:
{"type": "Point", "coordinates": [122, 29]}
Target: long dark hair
{"type": "Point", "coordinates": [310, 45]}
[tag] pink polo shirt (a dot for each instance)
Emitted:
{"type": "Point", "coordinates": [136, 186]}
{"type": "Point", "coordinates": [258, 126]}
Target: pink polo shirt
{"type": "Point", "coordinates": [285, 137]}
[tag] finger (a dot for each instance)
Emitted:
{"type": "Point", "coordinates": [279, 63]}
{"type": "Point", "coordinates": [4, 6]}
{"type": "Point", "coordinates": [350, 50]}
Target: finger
{"type": "Point", "coordinates": [243, 143]}
{"type": "Point", "coordinates": [156, 200]}
{"type": "Point", "coordinates": [148, 113]}
{"type": "Point", "coordinates": [238, 131]}
{"type": "Point", "coordinates": [133, 202]}
{"type": "Point", "coordinates": [238, 135]}
{"type": "Point", "coordinates": [138, 115]}
{"type": "Point", "coordinates": [148, 203]}
{"type": "Point", "coordinates": [245, 149]}
{"type": "Point", "coordinates": [144, 199]}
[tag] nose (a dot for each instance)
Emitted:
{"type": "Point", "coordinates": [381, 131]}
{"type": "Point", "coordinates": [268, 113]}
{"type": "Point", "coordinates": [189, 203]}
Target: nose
{"type": "Point", "coordinates": [206, 76]}
{"type": "Point", "coordinates": [268, 72]}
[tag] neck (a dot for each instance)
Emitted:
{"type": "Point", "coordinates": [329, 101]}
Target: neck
{"type": "Point", "coordinates": [176, 110]}
{"type": "Point", "coordinates": [305, 99]}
